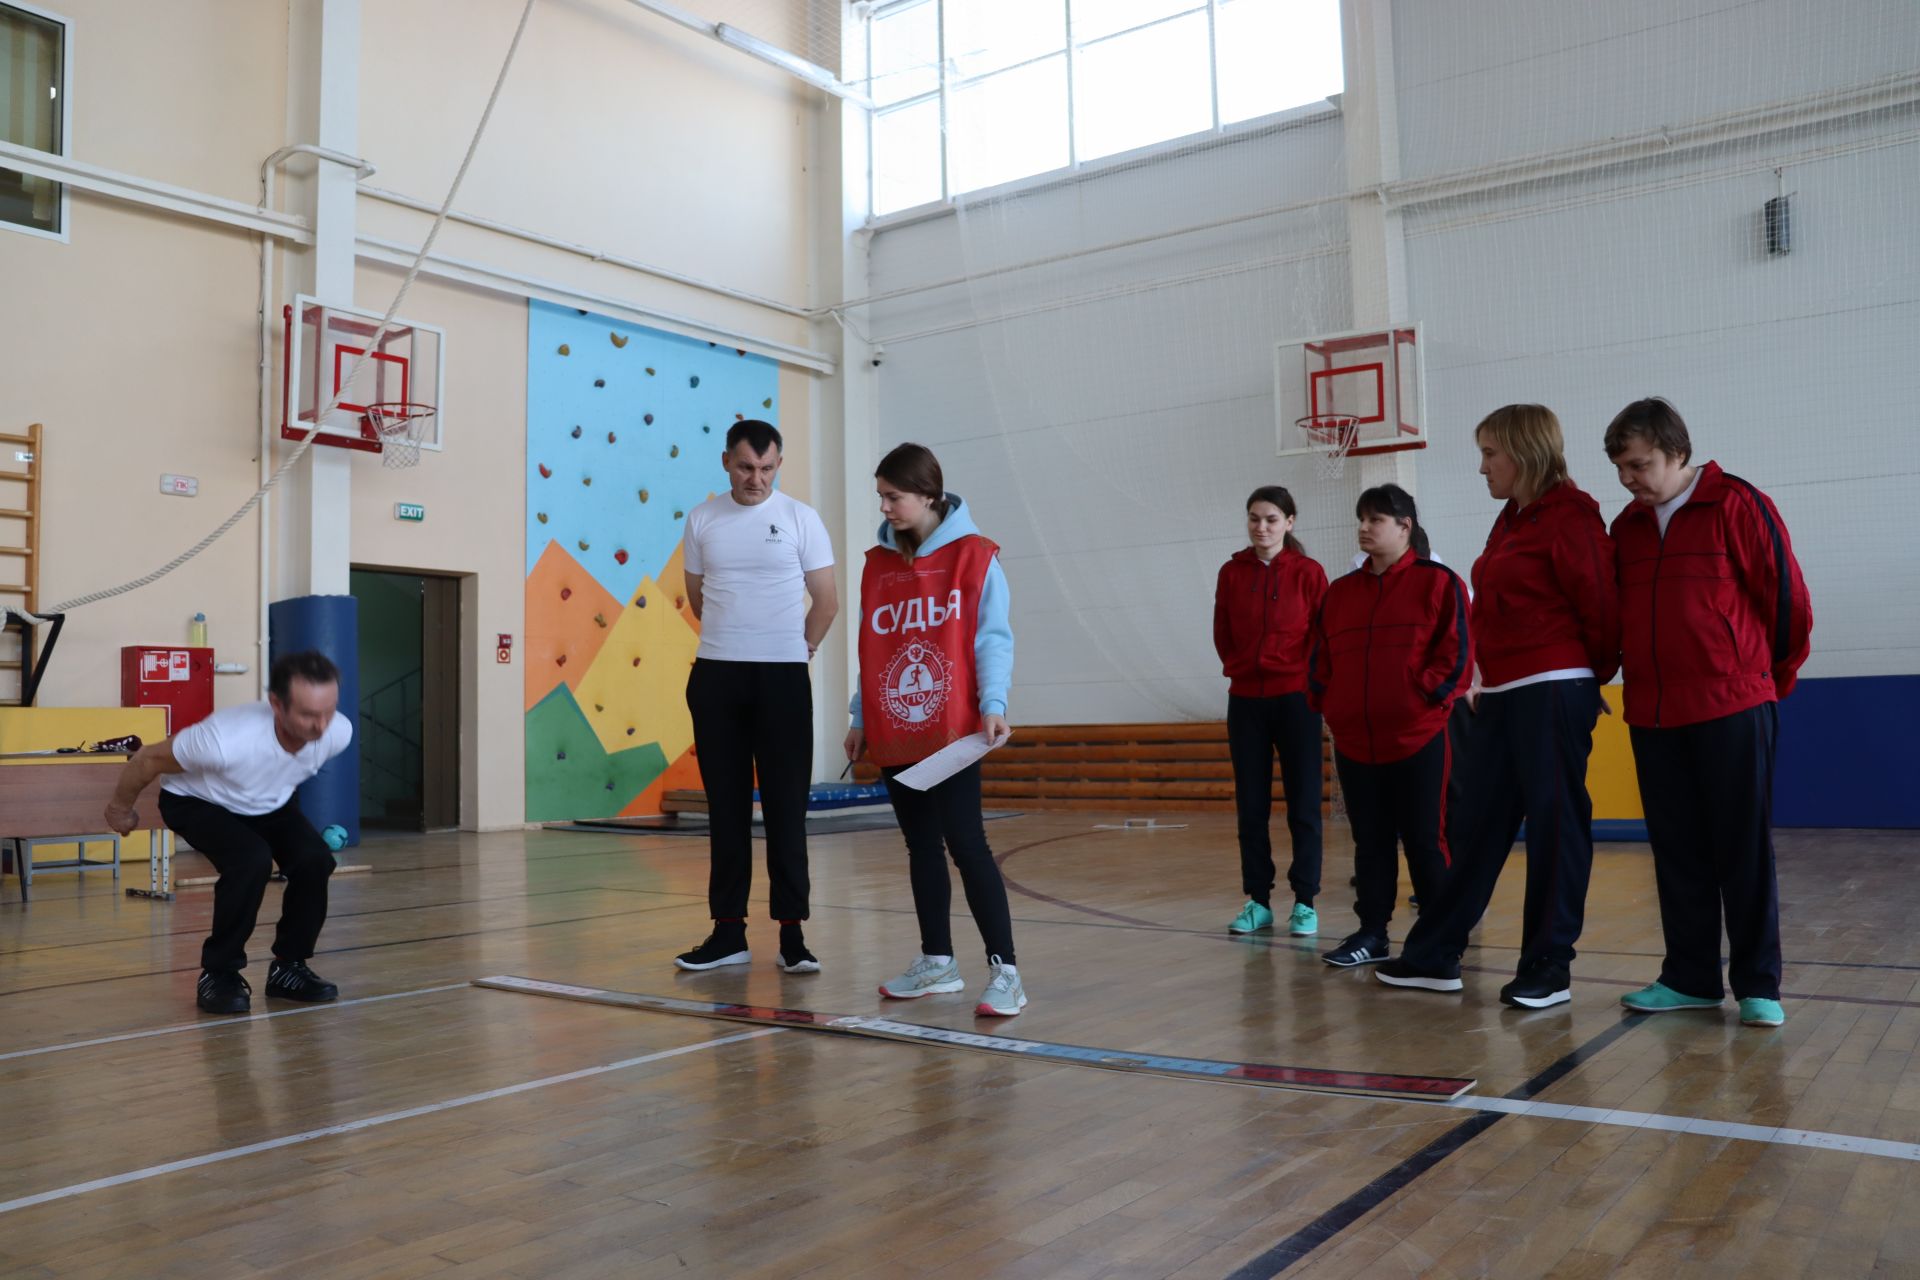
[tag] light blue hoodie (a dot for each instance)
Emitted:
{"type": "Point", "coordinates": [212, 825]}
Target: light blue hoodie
{"type": "Point", "coordinates": [992, 636]}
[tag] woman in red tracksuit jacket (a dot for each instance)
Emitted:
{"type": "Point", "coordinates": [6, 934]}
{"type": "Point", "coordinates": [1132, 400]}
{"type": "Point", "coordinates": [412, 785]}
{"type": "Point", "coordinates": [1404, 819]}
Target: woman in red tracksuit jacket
{"type": "Point", "coordinates": [1391, 652]}
{"type": "Point", "coordinates": [1263, 603]}
{"type": "Point", "coordinates": [1546, 636]}
{"type": "Point", "coordinates": [1716, 622]}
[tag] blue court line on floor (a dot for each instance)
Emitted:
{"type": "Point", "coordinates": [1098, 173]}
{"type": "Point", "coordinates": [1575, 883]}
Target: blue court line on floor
{"type": "Point", "coordinates": [1369, 1084]}
{"type": "Point", "coordinates": [1296, 1247]}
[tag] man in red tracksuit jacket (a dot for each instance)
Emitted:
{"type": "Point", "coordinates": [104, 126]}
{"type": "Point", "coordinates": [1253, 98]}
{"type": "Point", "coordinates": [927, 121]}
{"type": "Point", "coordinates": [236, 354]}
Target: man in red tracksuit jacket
{"type": "Point", "coordinates": [1391, 653]}
{"type": "Point", "coordinates": [1717, 624]}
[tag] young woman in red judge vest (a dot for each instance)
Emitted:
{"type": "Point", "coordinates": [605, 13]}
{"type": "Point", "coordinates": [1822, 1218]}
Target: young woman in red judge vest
{"type": "Point", "coordinates": [1546, 636]}
{"type": "Point", "coordinates": [1391, 652]}
{"type": "Point", "coordinates": [936, 659]}
{"type": "Point", "coordinates": [1263, 607]}
{"type": "Point", "coordinates": [1716, 622]}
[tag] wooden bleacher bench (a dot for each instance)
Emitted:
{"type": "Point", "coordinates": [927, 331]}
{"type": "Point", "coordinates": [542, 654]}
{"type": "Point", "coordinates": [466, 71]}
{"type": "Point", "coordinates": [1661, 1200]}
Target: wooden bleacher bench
{"type": "Point", "coordinates": [1145, 767]}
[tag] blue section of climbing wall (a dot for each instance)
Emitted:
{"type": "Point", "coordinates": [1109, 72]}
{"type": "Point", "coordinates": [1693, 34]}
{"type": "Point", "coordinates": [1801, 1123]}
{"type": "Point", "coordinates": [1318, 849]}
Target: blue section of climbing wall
{"type": "Point", "coordinates": [625, 428]}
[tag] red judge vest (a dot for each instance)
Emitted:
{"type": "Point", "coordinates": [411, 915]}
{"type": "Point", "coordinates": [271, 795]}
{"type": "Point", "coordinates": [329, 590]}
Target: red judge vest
{"type": "Point", "coordinates": [918, 690]}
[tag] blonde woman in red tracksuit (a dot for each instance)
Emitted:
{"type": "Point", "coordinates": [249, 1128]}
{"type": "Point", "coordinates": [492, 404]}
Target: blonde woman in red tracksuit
{"type": "Point", "coordinates": [1263, 606]}
{"type": "Point", "coordinates": [1716, 622]}
{"type": "Point", "coordinates": [1546, 636]}
{"type": "Point", "coordinates": [1391, 652]}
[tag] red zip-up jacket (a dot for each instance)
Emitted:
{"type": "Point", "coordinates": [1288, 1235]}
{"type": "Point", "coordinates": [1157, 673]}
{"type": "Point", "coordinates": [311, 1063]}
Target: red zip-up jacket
{"type": "Point", "coordinates": [1716, 615]}
{"type": "Point", "coordinates": [1544, 593]}
{"type": "Point", "coordinates": [1261, 616]}
{"type": "Point", "coordinates": [1391, 652]}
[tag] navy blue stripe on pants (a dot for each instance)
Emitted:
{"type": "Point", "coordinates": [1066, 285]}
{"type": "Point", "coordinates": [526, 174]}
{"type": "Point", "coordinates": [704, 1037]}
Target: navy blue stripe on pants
{"type": "Point", "coordinates": [1708, 793]}
{"type": "Point", "coordinates": [1526, 762]}
{"type": "Point", "coordinates": [1403, 802]}
{"type": "Point", "coordinates": [1257, 729]}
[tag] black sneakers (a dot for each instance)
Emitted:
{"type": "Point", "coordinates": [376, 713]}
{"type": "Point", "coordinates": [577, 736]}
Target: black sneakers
{"type": "Point", "coordinates": [1360, 948]}
{"type": "Point", "coordinates": [223, 993]}
{"type": "Point", "coordinates": [794, 956]}
{"type": "Point", "coordinates": [1540, 985]}
{"type": "Point", "coordinates": [727, 944]}
{"type": "Point", "coordinates": [1398, 973]}
{"type": "Point", "coordinates": [292, 980]}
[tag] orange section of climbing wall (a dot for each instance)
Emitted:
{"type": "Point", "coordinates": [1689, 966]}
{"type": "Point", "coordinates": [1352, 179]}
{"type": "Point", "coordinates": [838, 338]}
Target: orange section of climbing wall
{"type": "Point", "coordinates": [569, 616]}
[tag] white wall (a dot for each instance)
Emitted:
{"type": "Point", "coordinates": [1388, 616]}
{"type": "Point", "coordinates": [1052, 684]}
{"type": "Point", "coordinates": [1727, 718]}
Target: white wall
{"type": "Point", "coordinates": [1109, 445]}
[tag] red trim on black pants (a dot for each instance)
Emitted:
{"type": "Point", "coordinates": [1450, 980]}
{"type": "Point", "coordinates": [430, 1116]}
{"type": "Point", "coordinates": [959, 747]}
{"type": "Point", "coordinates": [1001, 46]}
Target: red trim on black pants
{"type": "Point", "coordinates": [243, 848]}
{"type": "Point", "coordinates": [1257, 728]}
{"type": "Point", "coordinates": [1389, 805]}
{"type": "Point", "coordinates": [750, 716]}
{"type": "Point", "coordinates": [1708, 793]}
{"type": "Point", "coordinates": [1526, 761]}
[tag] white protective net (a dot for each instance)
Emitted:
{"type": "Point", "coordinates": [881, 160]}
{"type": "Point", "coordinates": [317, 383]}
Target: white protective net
{"type": "Point", "coordinates": [1569, 198]}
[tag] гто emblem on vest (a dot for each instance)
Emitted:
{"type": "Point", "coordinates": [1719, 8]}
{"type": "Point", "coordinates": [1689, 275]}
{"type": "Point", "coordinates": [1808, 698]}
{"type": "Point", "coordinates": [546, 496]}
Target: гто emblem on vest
{"type": "Point", "coordinates": [916, 683]}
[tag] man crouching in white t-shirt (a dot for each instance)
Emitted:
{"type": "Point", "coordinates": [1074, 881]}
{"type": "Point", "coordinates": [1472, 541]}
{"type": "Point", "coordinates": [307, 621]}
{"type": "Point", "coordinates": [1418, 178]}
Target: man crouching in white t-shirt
{"type": "Point", "coordinates": [228, 790]}
{"type": "Point", "coordinates": [753, 557]}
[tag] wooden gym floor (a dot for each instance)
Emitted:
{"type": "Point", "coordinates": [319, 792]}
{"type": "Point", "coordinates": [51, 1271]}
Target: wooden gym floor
{"type": "Point", "coordinates": [424, 1127]}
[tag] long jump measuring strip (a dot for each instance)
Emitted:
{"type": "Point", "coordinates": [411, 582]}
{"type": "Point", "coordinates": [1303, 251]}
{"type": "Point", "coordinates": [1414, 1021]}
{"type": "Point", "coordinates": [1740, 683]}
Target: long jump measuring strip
{"type": "Point", "coordinates": [1366, 1084]}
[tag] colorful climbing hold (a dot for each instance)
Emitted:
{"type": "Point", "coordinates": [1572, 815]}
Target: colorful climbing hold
{"type": "Point", "coordinates": [694, 381]}
{"type": "Point", "coordinates": [679, 515]}
{"type": "Point", "coordinates": [599, 382]}
{"type": "Point", "coordinates": [541, 516]}
{"type": "Point", "coordinates": [643, 495]}
{"type": "Point", "coordinates": [599, 619]}
{"type": "Point", "coordinates": [576, 433]}
{"type": "Point", "coordinates": [582, 544]}
{"type": "Point", "coordinates": [560, 661]}
{"type": "Point", "coordinates": [598, 707]}
{"type": "Point", "coordinates": [647, 418]}
{"type": "Point", "coordinates": [620, 556]}
{"type": "Point", "coordinates": [545, 471]}
{"type": "Point", "coordinates": [630, 728]}
{"type": "Point", "coordinates": [679, 602]}
{"type": "Point", "coordinates": [739, 417]}
{"type": "Point", "coordinates": [641, 601]}
{"type": "Point", "coordinates": [587, 480]}
{"type": "Point", "coordinates": [674, 452]}
{"type": "Point", "coordinates": [560, 755]}
{"type": "Point", "coordinates": [636, 662]}
{"type": "Point", "coordinates": [649, 371]}
{"type": "Point", "coordinates": [565, 350]}
{"type": "Point", "coordinates": [767, 403]}
{"type": "Point", "coordinates": [566, 593]}
{"type": "Point", "coordinates": [739, 351]}
{"type": "Point", "coordinates": [611, 437]}
{"type": "Point", "coordinates": [705, 429]}
{"type": "Point", "coordinates": [618, 339]}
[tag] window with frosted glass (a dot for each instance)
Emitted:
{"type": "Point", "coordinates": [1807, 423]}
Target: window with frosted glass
{"type": "Point", "coordinates": [32, 114]}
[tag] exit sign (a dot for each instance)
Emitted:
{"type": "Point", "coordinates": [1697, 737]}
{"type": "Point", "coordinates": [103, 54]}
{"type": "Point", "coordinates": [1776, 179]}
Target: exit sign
{"type": "Point", "coordinates": [409, 511]}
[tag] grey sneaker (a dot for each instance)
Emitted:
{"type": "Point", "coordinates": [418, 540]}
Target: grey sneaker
{"type": "Point", "coordinates": [1004, 996]}
{"type": "Point", "coordinates": [924, 977]}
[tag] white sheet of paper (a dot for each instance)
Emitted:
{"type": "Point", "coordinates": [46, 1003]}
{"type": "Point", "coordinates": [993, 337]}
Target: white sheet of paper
{"type": "Point", "coordinates": [944, 763]}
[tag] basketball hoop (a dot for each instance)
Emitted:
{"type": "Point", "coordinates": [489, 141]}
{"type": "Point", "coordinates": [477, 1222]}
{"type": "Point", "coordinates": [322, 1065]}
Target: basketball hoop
{"type": "Point", "coordinates": [1333, 433]}
{"type": "Point", "coordinates": [401, 426]}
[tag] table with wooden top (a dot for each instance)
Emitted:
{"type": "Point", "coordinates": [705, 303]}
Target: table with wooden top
{"type": "Point", "coordinates": [67, 796]}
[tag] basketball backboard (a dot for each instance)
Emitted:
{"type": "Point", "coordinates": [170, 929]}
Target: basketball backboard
{"type": "Point", "coordinates": [322, 344]}
{"type": "Point", "coordinates": [1372, 376]}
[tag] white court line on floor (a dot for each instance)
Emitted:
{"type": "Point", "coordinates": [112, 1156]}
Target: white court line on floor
{"type": "Point", "coordinates": [218, 1024]}
{"type": "Point", "coordinates": [354, 1126]}
{"type": "Point", "coordinates": [1691, 1124]}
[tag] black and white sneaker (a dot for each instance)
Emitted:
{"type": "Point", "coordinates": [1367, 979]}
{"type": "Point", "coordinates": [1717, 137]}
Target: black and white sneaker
{"type": "Point", "coordinates": [794, 956]}
{"type": "Point", "coordinates": [223, 993]}
{"type": "Point", "coordinates": [719, 949]}
{"type": "Point", "coordinates": [1539, 986]}
{"type": "Point", "coordinates": [1358, 949]}
{"type": "Point", "coordinates": [1398, 973]}
{"type": "Point", "coordinates": [292, 980]}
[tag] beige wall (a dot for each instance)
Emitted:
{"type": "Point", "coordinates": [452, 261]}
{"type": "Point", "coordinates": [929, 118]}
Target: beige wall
{"type": "Point", "coordinates": [617, 129]}
{"type": "Point", "coordinates": [135, 343]}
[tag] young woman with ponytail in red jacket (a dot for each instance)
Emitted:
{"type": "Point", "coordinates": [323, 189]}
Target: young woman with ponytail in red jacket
{"type": "Point", "coordinates": [1263, 603]}
{"type": "Point", "coordinates": [1546, 636]}
{"type": "Point", "coordinates": [1391, 653]}
{"type": "Point", "coordinates": [1716, 622]}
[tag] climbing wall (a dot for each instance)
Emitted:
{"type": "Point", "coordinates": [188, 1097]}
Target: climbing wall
{"type": "Point", "coordinates": [625, 428]}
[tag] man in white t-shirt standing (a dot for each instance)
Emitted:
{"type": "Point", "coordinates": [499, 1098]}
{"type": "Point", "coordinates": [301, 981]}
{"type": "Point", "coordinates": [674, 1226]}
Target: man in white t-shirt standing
{"type": "Point", "coordinates": [228, 790]}
{"type": "Point", "coordinates": [754, 556]}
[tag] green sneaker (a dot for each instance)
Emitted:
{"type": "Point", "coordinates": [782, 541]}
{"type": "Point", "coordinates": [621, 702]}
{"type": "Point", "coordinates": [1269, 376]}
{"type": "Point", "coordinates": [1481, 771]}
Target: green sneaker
{"type": "Point", "coordinates": [1252, 919]}
{"type": "Point", "coordinates": [1304, 922]}
{"type": "Point", "coordinates": [1758, 1012]}
{"type": "Point", "coordinates": [1659, 998]}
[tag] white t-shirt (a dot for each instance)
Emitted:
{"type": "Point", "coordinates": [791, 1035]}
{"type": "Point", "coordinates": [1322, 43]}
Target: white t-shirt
{"type": "Point", "coordinates": [1663, 512]}
{"type": "Point", "coordinates": [234, 759]}
{"type": "Point", "coordinates": [752, 562]}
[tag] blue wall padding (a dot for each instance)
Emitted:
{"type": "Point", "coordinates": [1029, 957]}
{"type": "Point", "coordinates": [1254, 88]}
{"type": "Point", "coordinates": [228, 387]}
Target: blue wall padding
{"type": "Point", "coordinates": [330, 624]}
{"type": "Point", "coordinates": [1846, 754]}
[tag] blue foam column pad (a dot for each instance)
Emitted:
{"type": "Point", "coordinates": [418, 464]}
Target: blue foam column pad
{"type": "Point", "coordinates": [330, 624]}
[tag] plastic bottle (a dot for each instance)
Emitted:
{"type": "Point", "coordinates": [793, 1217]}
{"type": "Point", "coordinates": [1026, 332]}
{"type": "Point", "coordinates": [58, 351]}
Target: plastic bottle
{"type": "Point", "coordinates": [197, 632]}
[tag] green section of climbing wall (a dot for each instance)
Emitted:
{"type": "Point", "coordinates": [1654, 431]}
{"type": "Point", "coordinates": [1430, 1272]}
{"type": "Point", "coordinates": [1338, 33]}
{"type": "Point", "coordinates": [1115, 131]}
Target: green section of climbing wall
{"type": "Point", "coordinates": [570, 775]}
